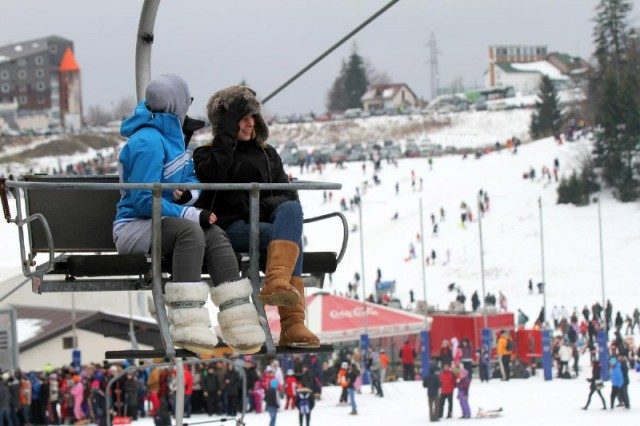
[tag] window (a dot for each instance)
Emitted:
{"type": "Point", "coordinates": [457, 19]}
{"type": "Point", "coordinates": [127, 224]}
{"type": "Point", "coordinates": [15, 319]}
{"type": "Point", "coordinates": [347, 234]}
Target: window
{"type": "Point", "coordinates": [22, 87]}
{"type": "Point", "coordinates": [39, 60]}
{"type": "Point", "coordinates": [39, 73]}
{"type": "Point", "coordinates": [40, 86]}
{"type": "Point", "coordinates": [4, 75]}
{"type": "Point", "coordinates": [5, 88]}
{"type": "Point", "coordinates": [22, 100]}
{"type": "Point", "coordinates": [22, 74]}
{"type": "Point", "coordinates": [22, 62]}
{"type": "Point", "coordinates": [53, 48]}
{"type": "Point", "coordinates": [40, 99]}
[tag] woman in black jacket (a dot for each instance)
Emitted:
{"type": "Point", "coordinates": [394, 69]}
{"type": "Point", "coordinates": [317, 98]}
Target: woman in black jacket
{"type": "Point", "coordinates": [239, 154]}
{"type": "Point", "coordinates": [595, 384]}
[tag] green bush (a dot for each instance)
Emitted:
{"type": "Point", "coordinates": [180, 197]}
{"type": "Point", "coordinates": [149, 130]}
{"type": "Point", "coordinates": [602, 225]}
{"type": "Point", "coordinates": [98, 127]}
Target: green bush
{"type": "Point", "coordinates": [577, 189]}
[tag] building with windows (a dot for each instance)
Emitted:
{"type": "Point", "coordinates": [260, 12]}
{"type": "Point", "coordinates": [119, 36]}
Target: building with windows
{"type": "Point", "coordinates": [43, 77]}
{"type": "Point", "coordinates": [506, 54]}
{"type": "Point", "coordinates": [388, 96]}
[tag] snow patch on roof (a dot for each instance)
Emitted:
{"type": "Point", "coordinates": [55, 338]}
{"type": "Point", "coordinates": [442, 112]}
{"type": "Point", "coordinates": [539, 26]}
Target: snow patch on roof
{"type": "Point", "coordinates": [29, 328]}
{"type": "Point", "coordinates": [543, 67]}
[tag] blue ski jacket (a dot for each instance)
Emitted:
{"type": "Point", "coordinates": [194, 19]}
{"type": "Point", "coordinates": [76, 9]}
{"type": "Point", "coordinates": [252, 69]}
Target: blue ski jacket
{"type": "Point", "coordinates": [155, 152]}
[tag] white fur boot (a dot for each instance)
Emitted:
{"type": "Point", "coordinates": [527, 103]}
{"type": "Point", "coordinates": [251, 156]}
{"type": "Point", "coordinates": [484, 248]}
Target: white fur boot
{"type": "Point", "coordinates": [188, 318]}
{"type": "Point", "coordinates": [238, 319]}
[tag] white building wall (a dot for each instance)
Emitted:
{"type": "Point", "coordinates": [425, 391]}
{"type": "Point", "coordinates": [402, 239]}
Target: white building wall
{"type": "Point", "coordinates": [91, 345]}
{"type": "Point", "coordinates": [523, 82]}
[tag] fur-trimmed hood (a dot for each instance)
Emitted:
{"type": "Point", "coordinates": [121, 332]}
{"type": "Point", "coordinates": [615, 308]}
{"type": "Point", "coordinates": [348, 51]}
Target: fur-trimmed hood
{"type": "Point", "coordinates": [225, 97]}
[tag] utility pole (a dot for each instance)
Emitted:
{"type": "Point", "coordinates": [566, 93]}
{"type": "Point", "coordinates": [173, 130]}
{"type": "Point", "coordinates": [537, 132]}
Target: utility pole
{"type": "Point", "coordinates": [433, 62]}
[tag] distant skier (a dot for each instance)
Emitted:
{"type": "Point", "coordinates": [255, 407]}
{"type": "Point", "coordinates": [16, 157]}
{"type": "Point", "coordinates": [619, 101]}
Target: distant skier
{"type": "Point", "coordinates": [463, 214]}
{"type": "Point", "coordinates": [475, 301]}
{"type": "Point", "coordinates": [530, 286]}
{"type": "Point", "coordinates": [397, 188]}
{"type": "Point", "coordinates": [434, 232]}
{"type": "Point", "coordinates": [412, 252]}
{"type": "Point", "coordinates": [441, 214]}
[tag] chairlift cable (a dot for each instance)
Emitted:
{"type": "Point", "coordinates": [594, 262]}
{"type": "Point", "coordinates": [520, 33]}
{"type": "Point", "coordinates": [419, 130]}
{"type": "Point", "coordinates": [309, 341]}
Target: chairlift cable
{"type": "Point", "coordinates": [331, 49]}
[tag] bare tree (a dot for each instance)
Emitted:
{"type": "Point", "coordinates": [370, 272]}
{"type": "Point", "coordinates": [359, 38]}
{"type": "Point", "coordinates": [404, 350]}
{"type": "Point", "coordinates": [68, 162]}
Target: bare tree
{"type": "Point", "coordinates": [123, 107]}
{"type": "Point", "coordinates": [98, 116]}
{"type": "Point", "coordinates": [374, 76]}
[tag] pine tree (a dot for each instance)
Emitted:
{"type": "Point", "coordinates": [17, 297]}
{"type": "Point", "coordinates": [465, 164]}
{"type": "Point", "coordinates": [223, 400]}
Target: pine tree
{"type": "Point", "coordinates": [337, 96]}
{"type": "Point", "coordinates": [615, 100]}
{"type": "Point", "coordinates": [546, 120]}
{"type": "Point", "coordinates": [610, 33]}
{"type": "Point", "coordinates": [355, 80]}
{"type": "Point", "coordinates": [349, 86]}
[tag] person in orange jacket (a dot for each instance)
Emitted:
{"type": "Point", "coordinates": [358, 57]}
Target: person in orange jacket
{"type": "Point", "coordinates": [342, 382]}
{"type": "Point", "coordinates": [384, 363]}
{"type": "Point", "coordinates": [504, 349]}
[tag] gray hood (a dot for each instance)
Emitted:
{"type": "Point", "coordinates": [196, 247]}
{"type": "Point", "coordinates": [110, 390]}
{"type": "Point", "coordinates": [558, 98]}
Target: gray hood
{"type": "Point", "coordinates": [169, 93]}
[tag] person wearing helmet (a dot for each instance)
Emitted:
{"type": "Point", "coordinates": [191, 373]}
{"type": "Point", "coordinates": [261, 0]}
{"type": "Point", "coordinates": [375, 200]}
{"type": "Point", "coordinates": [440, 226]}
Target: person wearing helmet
{"type": "Point", "coordinates": [155, 152]}
{"type": "Point", "coordinates": [239, 153]}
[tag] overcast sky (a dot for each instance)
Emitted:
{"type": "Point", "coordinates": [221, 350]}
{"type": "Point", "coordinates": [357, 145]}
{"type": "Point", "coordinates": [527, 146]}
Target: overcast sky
{"type": "Point", "coordinates": [216, 43]}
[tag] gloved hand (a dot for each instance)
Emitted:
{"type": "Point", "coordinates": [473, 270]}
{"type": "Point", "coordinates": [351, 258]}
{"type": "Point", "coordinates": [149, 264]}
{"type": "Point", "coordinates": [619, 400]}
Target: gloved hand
{"type": "Point", "coordinates": [189, 126]}
{"type": "Point", "coordinates": [207, 219]}
{"type": "Point", "coordinates": [231, 115]}
{"type": "Point", "coordinates": [182, 197]}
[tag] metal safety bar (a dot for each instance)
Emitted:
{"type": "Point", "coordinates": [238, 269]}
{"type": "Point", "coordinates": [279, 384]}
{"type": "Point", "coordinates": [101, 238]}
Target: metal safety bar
{"type": "Point", "coordinates": [179, 405]}
{"type": "Point", "coordinates": [156, 241]}
{"type": "Point", "coordinates": [345, 230]}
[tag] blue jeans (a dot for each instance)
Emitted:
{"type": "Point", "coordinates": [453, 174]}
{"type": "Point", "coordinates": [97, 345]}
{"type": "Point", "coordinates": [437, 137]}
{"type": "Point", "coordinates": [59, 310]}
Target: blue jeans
{"type": "Point", "coordinates": [352, 399]}
{"type": "Point", "coordinates": [273, 412]}
{"type": "Point", "coordinates": [5, 418]}
{"type": "Point", "coordinates": [285, 223]}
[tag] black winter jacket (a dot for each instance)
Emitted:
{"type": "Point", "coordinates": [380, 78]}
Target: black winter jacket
{"type": "Point", "coordinates": [271, 398]}
{"type": "Point", "coordinates": [210, 383]}
{"type": "Point", "coordinates": [229, 161]}
{"type": "Point", "coordinates": [432, 383]}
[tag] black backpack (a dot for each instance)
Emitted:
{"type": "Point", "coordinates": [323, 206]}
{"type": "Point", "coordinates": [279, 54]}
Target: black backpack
{"type": "Point", "coordinates": [162, 417]}
{"type": "Point", "coordinates": [509, 345]}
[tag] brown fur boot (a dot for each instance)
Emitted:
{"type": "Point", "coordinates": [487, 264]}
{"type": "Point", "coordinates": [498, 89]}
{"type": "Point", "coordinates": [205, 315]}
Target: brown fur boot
{"type": "Point", "coordinates": [281, 259]}
{"type": "Point", "coordinates": [293, 332]}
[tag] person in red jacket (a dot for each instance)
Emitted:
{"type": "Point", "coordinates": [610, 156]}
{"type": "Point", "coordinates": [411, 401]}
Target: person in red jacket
{"type": "Point", "coordinates": [447, 384]}
{"type": "Point", "coordinates": [188, 390]}
{"type": "Point", "coordinates": [408, 357]}
{"type": "Point", "coordinates": [290, 387]}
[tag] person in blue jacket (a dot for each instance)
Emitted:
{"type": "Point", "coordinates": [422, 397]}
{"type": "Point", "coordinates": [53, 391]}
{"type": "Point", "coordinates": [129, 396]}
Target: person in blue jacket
{"type": "Point", "coordinates": [617, 381]}
{"type": "Point", "coordinates": [155, 152]}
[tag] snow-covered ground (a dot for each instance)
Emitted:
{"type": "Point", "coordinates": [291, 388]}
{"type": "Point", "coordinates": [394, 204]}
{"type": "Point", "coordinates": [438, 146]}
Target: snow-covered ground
{"type": "Point", "coordinates": [512, 256]}
{"type": "Point", "coordinates": [467, 129]}
{"type": "Point", "coordinates": [511, 232]}
{"type": "Point", "coordinates": [481, 128]}
{"type": "Point", "coordinates": [524, 402]}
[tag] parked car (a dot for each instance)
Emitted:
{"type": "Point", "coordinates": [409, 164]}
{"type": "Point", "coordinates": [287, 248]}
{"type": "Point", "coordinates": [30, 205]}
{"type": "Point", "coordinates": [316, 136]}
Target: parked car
{"type": "Point", "coordinates": [353, 113]}
{"type": "Point", "coordinates": [357, 153]}
{"type": "Point", "coordinates": [428, 149]}
{"type": "Point", "coordinates": [321, 155]}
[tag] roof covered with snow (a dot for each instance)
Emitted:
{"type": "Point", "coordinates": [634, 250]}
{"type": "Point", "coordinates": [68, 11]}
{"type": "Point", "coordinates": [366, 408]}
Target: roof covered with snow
{"type": "Point", "coordinates": [542, 67]}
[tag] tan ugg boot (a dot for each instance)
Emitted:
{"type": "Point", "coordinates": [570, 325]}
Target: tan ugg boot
{"type": "Point", "coordinates": [281, 259]}
{"type": "Point", "coordinates": [293, 332]}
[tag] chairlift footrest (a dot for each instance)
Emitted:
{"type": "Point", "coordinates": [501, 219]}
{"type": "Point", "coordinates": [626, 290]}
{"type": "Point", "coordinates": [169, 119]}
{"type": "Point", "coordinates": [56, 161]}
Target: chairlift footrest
{"type": "Point", "coordinates": [280, 350]}
{"type": "Point", "coordinates": [152, 353]}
